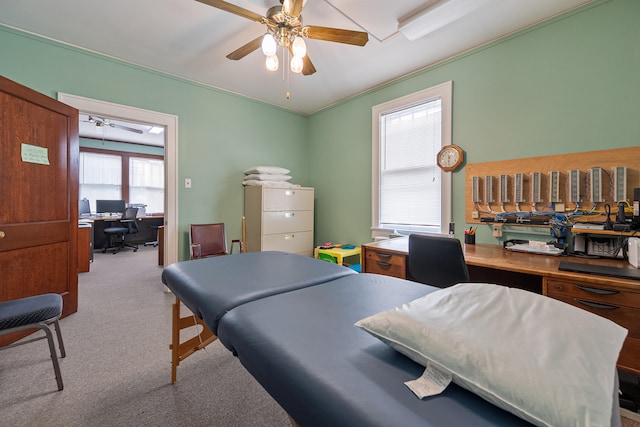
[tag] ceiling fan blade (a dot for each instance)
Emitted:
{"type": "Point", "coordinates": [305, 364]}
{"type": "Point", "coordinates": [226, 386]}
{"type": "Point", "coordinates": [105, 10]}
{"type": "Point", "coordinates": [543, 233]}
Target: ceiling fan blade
{"type": "Point", "coordinates": [236, 10]}
{"type": "Point", "coordinates": [293, 7]}
{"type": "Point", "coordinates": [307, 67]}
{"type": "Point", "coordinates": [246, 49]}
{"type": "Point", "coordinates": [125, 128]}
{"type": "Point", "coordinates": [357, 38]}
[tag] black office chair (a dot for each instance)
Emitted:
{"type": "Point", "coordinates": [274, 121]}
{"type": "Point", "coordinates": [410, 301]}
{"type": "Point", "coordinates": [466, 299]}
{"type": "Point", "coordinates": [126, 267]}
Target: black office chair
{"type": "Point", "coordinates": [436, 260]}
{"type": "Point", "coordinates": [117, 233]}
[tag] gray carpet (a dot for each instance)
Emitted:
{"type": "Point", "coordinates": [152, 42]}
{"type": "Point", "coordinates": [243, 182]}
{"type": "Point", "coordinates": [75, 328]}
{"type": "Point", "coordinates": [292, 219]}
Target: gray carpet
{"type": "Point", "coordinates": [118, 366]}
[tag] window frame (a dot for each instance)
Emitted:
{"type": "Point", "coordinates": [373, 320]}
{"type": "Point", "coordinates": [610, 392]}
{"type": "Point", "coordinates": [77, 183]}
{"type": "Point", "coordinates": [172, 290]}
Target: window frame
{"type": "Point", "coordinates": [125, 157]}
{"type": "Point", "coordinates": [444, 92]}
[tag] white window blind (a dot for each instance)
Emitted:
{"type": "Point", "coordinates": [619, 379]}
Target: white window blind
{"type": "Point", "coordinates": [146, 183]}
{"type": "Point", "coordinates": [100, 177]}
{"type": "Point", "coordinates": [409, 177]}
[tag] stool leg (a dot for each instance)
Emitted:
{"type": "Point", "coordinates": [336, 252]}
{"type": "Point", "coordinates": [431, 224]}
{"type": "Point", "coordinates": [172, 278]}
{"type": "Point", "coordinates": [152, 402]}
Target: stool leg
{"type": "Point", "coordinates": [60, 342]}
{"type": "Point", "coordinates": [54, 355]}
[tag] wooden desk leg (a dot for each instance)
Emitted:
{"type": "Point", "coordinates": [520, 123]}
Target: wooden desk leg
{"type": "Point", "coordinates": [180, 351]}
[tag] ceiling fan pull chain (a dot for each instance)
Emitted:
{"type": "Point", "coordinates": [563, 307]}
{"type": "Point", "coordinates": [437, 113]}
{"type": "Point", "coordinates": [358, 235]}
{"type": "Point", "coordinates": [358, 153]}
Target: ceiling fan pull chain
{"type": "Point", "coordinates": [288, 95]}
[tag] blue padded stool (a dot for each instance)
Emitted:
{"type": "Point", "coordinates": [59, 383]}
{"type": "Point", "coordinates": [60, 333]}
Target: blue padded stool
{"type": "Point", "coordinates": [34, 312]}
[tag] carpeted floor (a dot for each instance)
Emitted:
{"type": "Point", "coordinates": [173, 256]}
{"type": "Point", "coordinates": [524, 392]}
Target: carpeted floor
{"type": "Point", "coordinates": [118, 371]}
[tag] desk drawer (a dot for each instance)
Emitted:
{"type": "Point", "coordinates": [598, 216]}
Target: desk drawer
{"type": "Point", "coordinates": [388, 264]}
{"type": "Point", "coordinates": [623, 316]}
{"type": "Point", "coordinates": [604, 294]}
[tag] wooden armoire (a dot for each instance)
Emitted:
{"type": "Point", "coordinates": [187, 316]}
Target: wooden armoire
{"type": "Point", "coordinates": [38, 197]}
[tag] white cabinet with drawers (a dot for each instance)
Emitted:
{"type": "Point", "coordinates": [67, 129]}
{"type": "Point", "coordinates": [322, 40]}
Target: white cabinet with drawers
{"type": "Point", "coordinates": [279, 219]}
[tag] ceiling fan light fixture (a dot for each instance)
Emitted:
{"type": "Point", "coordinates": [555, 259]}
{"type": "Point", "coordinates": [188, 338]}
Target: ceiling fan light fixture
{"type": "Point", "coordinates": [269, 45]}
{"type": "Point", "coordinates": [299, 47]}
{"type": "Point", "coordinates": [297, 64]}
{"type": "Point", "coordinates": [272, 63]}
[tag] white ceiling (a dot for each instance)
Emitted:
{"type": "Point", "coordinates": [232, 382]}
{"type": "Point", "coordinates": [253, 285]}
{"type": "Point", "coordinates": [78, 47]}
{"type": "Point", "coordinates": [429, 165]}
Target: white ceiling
{"type": "Point", "coordinates": [110, 129]}
{"type": "Point", "coordinates": [190, 39]}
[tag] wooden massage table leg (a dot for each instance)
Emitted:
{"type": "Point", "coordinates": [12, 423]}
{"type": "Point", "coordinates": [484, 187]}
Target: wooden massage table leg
{"type": "Point", "coordinates": [180, 351]}
{"type": "Point", "coordinates": [293, 422]}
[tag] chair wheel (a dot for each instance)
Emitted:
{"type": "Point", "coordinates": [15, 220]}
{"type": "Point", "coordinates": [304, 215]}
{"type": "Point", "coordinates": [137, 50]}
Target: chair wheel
{"type": "Point", "coordinates": [135, 250]}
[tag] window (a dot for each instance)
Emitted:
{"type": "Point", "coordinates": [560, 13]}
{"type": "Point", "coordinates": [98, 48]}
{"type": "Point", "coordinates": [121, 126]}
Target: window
{"type": "Point", "coordinates": [100, 177]}
{"type": "Point", "coordinates": [116, 175]}
{"type": "Point", "coordinates": [146, 182]}
{"type": "Point", "coordinates": [410, 193]}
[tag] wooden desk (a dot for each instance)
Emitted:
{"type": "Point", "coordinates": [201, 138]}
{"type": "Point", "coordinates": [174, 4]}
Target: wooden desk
{"type": "Point", "coordinates": [610, 297]}
{"type": "Point", "coordinates": [84, 248]}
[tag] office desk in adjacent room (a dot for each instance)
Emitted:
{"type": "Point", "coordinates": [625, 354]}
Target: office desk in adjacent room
{"type": "Point", "coordinates": [85, 249]}
{"type": "Point", "coordinates": [615, 298]}
{"type": "Point", "coordinates": [147, 230]}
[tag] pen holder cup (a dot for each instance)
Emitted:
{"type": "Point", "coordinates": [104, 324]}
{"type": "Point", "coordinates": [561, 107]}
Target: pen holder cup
{"type": "Point", "coordinates": [470, 239]}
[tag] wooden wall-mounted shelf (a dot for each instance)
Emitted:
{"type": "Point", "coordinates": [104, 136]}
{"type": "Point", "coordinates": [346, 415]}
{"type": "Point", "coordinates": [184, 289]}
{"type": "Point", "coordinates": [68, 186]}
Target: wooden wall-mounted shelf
{"type": "Point", "coordinates": [583, 162]}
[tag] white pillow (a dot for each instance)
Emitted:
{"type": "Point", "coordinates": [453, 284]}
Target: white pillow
{"type": "Point", "coordinates": [266, 177]}
{"type": "Point", "coordinates": [275, 170]}
{"type": "Point", "coordinates": [546, 361]}
{"type": "Point", "coordinates": [279, 184]}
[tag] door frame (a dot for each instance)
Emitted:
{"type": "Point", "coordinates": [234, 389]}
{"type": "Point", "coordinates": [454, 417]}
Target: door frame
{"type": "Point", "coordinates": [139, 115]}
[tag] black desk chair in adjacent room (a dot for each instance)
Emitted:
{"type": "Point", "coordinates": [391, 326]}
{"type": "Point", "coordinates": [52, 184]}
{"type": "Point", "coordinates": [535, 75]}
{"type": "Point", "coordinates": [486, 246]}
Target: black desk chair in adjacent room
{"type": "Point", "coordinates": [436, 260]}
{"type": "Point", "coordinates": [38, 311]}
{"type": "Point", "coordinates": [117, 233]}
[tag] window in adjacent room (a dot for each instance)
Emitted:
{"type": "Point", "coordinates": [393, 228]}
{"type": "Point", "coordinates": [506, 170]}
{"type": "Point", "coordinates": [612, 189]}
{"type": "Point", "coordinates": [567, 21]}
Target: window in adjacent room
{"type": "Point", "coordinates": [146, 182]}
{"type": "Point", "coordinates": [119, 175]}
{"type": "Point", "coordinates": [100, 177]}
{"type": "Point", "coordinates": [410, 193]}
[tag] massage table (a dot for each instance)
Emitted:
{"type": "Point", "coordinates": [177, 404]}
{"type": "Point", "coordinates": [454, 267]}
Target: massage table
{"type": "Point", "coordinates": [210, 287]}
{"type": "Point", "coordinates": [290, 321]}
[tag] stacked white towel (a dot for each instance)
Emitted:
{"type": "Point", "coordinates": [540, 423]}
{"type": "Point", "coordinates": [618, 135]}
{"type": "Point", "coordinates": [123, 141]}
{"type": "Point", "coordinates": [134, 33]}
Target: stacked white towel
{"type": "Point", "coordinates": [268, 176]}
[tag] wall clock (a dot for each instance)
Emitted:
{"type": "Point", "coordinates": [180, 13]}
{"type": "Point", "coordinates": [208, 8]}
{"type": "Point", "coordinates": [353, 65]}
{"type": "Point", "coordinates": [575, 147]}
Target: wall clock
{"type": "Point", "coordinates": [450, 157]}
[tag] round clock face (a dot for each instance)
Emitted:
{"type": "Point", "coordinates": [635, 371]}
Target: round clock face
{"type": "Point", "coordinates": [450, 157]}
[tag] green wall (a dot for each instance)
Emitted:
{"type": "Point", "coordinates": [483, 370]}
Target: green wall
{"type": "Point", "coordinates": [569, 85]}
{"type": "Point", "coordinates": [220, 134]}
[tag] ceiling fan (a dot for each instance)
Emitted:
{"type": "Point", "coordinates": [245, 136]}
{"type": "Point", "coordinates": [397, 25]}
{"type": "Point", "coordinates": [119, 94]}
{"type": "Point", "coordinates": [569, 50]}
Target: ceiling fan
{"type": "Point", "coordinates": [106, 122]}
{"type": "Point", "coordinates": [285, 29]}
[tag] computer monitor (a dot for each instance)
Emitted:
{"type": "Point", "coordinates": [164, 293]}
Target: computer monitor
{"type": "Point", "coordinates": [83, 207]}
{"type": "Point", "coordinates": [110, 206]}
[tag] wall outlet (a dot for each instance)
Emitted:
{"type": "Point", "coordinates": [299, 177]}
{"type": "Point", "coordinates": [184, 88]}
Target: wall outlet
{"type": "Point", "coordinates": [187, 183]}
{"type": "Point", "coordinates": [497, 230]}
{"type": "Point", "coordinates": [475, 214]}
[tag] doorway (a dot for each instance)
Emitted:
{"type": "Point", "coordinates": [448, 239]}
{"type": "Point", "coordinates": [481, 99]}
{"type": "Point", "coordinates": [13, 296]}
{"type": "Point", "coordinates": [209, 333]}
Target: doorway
{"type": "Point", "coordinates": [170, 123]}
